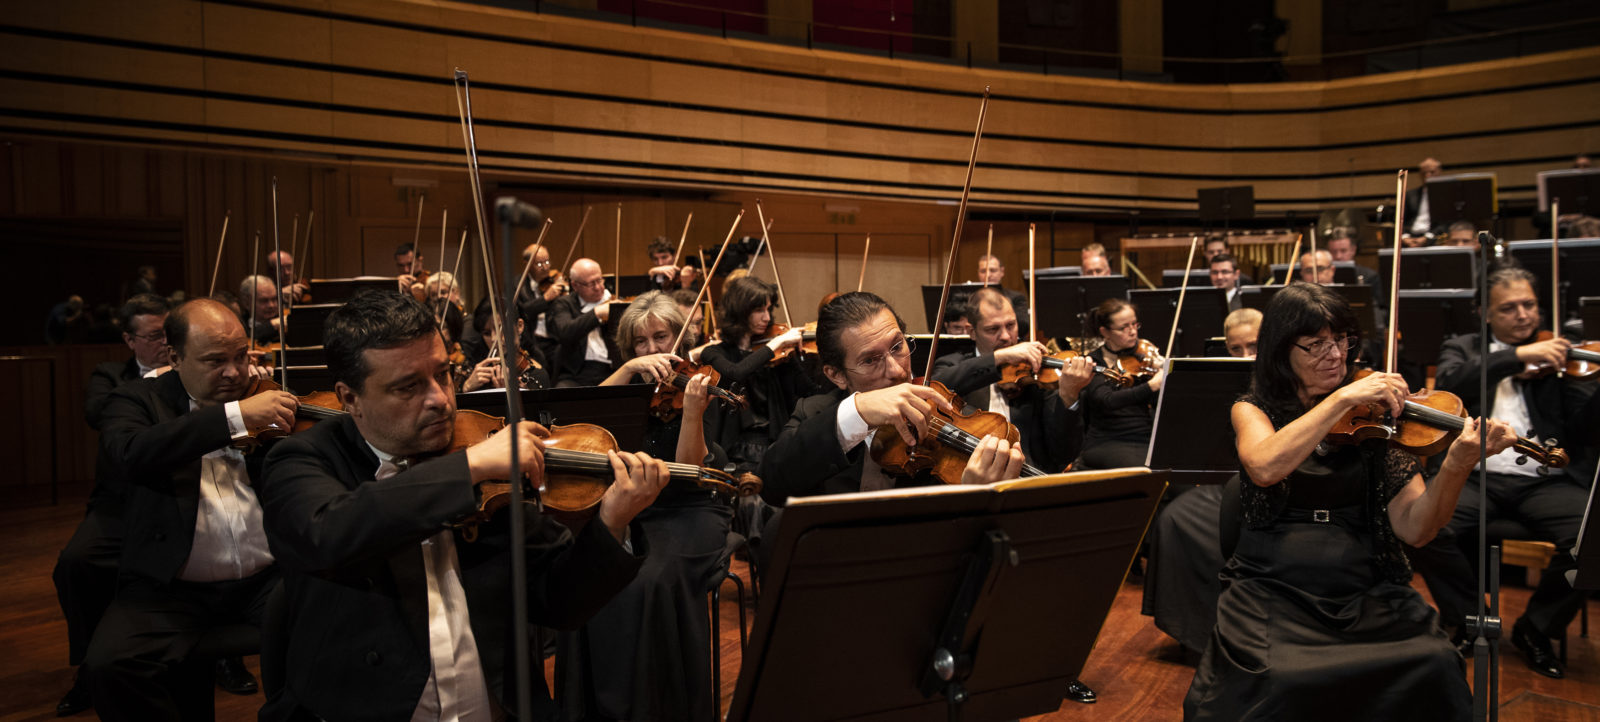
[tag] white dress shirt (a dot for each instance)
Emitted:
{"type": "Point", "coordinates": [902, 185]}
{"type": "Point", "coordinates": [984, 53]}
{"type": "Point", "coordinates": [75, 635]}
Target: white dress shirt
{"type": "Point", "coordinates": [456, 688]}
{"type": "Point", "coordinates": [1424, 220]}
{"type": "Point", "coordinates": [596, 349]}
{"type": "Point", "coordinates": [852, 431]}
{"type": "Point", "coordinates": [1512, 408]}
{"type": "Point", "coordinates": [230, 541]}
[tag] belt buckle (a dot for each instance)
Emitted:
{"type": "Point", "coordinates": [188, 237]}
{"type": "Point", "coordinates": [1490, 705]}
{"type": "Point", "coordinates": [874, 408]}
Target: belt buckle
{"type": "Point", "coordinates": [1320, 516]}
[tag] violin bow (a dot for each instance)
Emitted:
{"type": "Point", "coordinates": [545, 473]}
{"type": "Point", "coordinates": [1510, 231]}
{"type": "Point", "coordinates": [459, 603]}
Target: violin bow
{"type": "Point", "coordinates": [575, 238]}
{"type": "Point", "coordinates": [444, 232]}
{"type": "Point", "coordinates": [1316, 268]}
{"type": "Point", "coordinates": [305, 257]}
{"type": "Point", "coordinates": [1392, 345]}
{"type": "Point", "coordinates": [1555, 268]}
{"type": "Point", "coordinates": [1033, 314]}
{"type": "Point", "coordinates": [283, 316]}
{"type": "Point", "coordinates": [463, 93]}
{"type": "Point", "coordinates": [255, 280]}
{"type": "Point", "coordinates": [416, 236]}
{"type": "Point", "coordinates": [705, 288]}
{"type": "Point", "coordinates": [862, 279]}
{"type": "Point", "coordinates": [616, 271]}
{"type": "Point", "coordinates": [772, 258]}
{"type": "Point", "coordinates": [451, 289]}
{"type": "Point", "coordinates": [955, 238]}
{"type": "Point", "coordinates": [1294, 260]}
{"type": "Point", "coordinates": [988, 251]}
{"type": "Point", "coordinates": [217, 267]}
{"type": "Point", "coordinates": [537, 244]}
{"type": "Point", "coordinates": [681, 238]}
{"type": "Point", "coordinates": [1183, 290]}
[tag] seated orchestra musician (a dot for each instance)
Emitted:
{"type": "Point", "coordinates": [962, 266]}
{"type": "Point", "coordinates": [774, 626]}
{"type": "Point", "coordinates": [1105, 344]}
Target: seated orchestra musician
{"type": "Point", "coordinates": [646, 654]}
{"type": "Point", "coordinates": [1523, 393]}
{"type": "Point", "coordinates": [744, 358]}
{"type": "Point", "coordinates": [488, 372]}
{"type": "Point", "coordinates": [588, 356]}
{"type": "Point", "coordinates": [1119, 420]}
{"type": "Point", "coordinates": [543, 287]}
{"type": "Point", "coordinates": [1316, 619]}
{"type": "Point", "coordinates": [1048, 420]}
{"type": "Point", "coordinates": [387, 613]}
{"type": "Point", "coordinates": [1094, 262]}
{"type": "Point", "coordinates": [992, 272]}
{"type": "Point", "coordinates": [194, 556]}
{"type": "Point", "coordinates": [259, 299]}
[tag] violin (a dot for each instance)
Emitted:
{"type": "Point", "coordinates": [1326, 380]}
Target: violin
{"type": "Point", "coordinates": [315, 406]}
{"type": "Point", "coordinates": [1021, 374]}
{"type": "Point", "coordinates": [1583, 360]}
{"type": "Point", "coordinates": [806, 347]}
{"type": "Point", "coordinates": [577, 472]}
{"type": "Point", "coordinates": [667, 404]}
{"type": "Point", "coordinates": [1141, 364]}
{"type": "Point", "coordinates": [951, 440]}
{"type": "Point", "coordinates": [1430, 421]}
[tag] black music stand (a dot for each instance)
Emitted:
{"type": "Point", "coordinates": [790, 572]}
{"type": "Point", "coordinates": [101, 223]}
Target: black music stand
{"type": "Point", "coordinates": [1203, 312]}
{"type": "Point", "coordinates": [621, 410]}
{"type": "Point", "coordinates": [1358, 296]}
{"type": "Point", "coordinates": [1055, 271]}
{"type": "Point", "coordinates": [1193, 433]}
{"type": "Point", "coordinates": [1587, 551]}
{"type": "Point", "coordinates": [1589, 311]}
{"type": "Point", "coordinates": [306, 379]}
{"type": "Point", "coordinates": [1462, 197]}
{"type": "Point", "coordinates": [338, 290]}
{"type": "Point", "coordinates": [1003, 588]}
{"type": "Point", "coordinates": [1345, 272]}
{"type": "Point", "coordinates": [1063, 303]}
{"type": "Point", "coordinates": [1234, 203]}
{"type": "Point", "coordinates": [921, 343]}
{"type": "Point", "coordinates": [1276, 272]}
{"type": "Point", "coordinates": [632, 286]}
{"type": "Point", "coordinates": [305, 328]}
{"type": "Point", "coordinates": [1430, 317]}
{"type": "Point", "coordinates": [1173, 277]}
{"type": "Point", "coordinates": [295, 356]}
{"type": "Point", "coordinates": [1578, 189]}
{"type": "Point", "coordinates": [958, 298]}
{"type": "Point", "coordinates": [1433, 266]}
{"type": "Point", "coordinates": [1580, 266]}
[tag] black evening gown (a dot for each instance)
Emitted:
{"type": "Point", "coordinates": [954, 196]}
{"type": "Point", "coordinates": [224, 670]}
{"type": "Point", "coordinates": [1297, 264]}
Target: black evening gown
{"type": "Point", "coordinates": [646, 655]}
{"type": "Point", "coordinates": [1180, 583]}
{"type": "Point", "coordinates": [1317, 620]}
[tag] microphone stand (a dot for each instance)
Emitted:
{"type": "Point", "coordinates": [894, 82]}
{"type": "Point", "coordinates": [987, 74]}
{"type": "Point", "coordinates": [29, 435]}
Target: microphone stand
{"type": "Point", "coordinates": [1485, 626]}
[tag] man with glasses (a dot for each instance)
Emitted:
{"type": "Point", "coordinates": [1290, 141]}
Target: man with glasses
{"type": "Point", "coordinates": [533, 303]}
{"type": "Point", "coordinates": [1541, 406]}
{"type": "Point", "coordinates": [1225, 275]}
{"type": "Point", "coordinates": [587, 355]}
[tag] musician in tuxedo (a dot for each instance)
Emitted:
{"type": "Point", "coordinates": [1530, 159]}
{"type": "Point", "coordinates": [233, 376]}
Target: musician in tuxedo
{"type": "Point", "coordinates": [194, 555]}
{"type": "Point", "coordinates": [1420, 221]}
{"type": "Point", "coordinates": [992, 271]}
{"type": "Point", "coordinates": [260, 301]}
{"type": "Point", "coordinates": [1094, 262]}
{"type": "Point", "coordinates": [86, 571]}
{"type": "Point", "coordinates": [588, 355]}
{"type": "Point", "coordinates": [1048, 420]}
{"type": "Point", "coordinates": [1550, 506]}
{"type": "Point", "coordinates": [1225, 275]}
{"type": "Point", "coordinates": [533, 302]}
{"type": "Point", "coordinates": [387, 612]}
{"type": "Point", "coordinates": [1342, 245]}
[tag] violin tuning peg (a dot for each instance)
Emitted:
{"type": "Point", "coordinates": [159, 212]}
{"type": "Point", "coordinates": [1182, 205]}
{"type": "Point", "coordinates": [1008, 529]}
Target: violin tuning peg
{"type": "Point", "coordinates": [1522, 460]}
{"type": "Point", "coordinates": [1544, 470]}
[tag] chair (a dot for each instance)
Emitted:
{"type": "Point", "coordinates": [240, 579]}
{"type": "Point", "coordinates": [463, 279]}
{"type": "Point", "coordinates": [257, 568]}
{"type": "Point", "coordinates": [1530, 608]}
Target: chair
{"type": "Point", "coordinates": [1517, 550]}
{"type": "Point", "coordinates": [735, 541]}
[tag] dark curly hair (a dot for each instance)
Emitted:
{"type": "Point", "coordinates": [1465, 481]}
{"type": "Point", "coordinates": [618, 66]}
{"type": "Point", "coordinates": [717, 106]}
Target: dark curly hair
{"type": "Point", "coordinates": [1301, 309]}
{"type": "Point", "coordinates": [374, 319]}
{"type": "Point", "coordinates": [744, 296]}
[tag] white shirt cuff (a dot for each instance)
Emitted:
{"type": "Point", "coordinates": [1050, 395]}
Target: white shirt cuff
{"type": "Point", "coordinates": [236, 427]}
{"type": "Point", "coordinates": [850, 428]}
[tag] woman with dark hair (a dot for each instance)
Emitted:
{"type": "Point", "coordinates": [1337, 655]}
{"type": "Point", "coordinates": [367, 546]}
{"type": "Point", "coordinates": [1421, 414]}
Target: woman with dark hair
{"type": "Point", "coordinates": [487, 372]}
{"type": "Point", "coordinates": [1118, 420]}
{"type": "Point", "coordinates": [1316, 618]}
{"type": "Point", "coordinates": [743, 358]}
{"type": "Point", "coordinates": [646, 654]}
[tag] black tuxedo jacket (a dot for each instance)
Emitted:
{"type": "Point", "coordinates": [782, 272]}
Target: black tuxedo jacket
{"type": "Point", "coordinates": [806, 459]}
{"type": "Point", "coordinates": [1560, 409]}
{"type": "Point", "coordinates": [151, 444]}
{"type": "Point", "coordinates": [571, 326]}
{"type": "Point", "coordinates": [1413, 205]}
{"type": "Point", "coordinates": [352, 639]}
{"type": "Point", "coordinates": [103, 380]}
{"type": "Point", "coordinates": [1051, 433]}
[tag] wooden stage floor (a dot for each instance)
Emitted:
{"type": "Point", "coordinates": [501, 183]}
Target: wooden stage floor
{"type": "Point", "coordinates": [1138, 672]}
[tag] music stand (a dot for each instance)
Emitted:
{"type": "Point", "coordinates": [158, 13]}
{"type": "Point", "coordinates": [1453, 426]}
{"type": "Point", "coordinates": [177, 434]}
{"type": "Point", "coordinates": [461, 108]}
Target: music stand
{"type": "Point", "coordinates": [1276, 272]}
{"type": "Point", "coordinates": [309, 319]}
{"type": "Point", "coordinates": [622, 410]}
{"type": "Point", "coordinates": [1434, 266]}
{"type": "Point", "coordinates": [1233, 203]}
{"type": "Point", "coordinates": [306, 379]}
{"type": "Point", "coordinates": [1428, 317]}
{"type": "Point", "coordinates": [1462, 197]}
{"type": "Point", "coordinates": [1358, 296]}
{"type": "Point", "coordinates": [1589, 311]}
{"type": "Point", "coordinates": [1173, 277]}
{"type": "Point", "coordinates": [865, 589]}
{"type": "Point", "coordinates": [1204, 310]}
{"type": "Point", "coordinates": [338, 290]}
{"type": "Point", "coordinates": [633, 286]}
{"type": "Point", "coordinates": [1198, 447]}
{"type": "Point", "coordinates": [958, 299]}
{"type": "Point", "coordinates": [1345, 272]}
{"type": "Point", "coordinates": [1063, 303]}
{"type": "Point", "coordinates": [1580, 265]}
{"type": "Point", "coordinates": [1587, 550]}
{"type": "Point", "coordinates": [1055, 271]}
{"type": "Point", "coordinates": [1578, 189]}
{"type": "Point", "coordinates": [295, 356]}
{"type": "Point", "coordinates": [948, 344]}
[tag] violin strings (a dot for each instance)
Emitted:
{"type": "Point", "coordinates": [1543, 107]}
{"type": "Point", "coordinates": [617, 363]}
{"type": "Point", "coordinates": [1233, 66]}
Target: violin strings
{"type": "Point", "coordinates": [960, 439]}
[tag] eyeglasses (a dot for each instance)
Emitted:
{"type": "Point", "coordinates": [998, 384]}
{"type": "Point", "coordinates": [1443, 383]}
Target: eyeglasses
{"type": "Point", "coordinates": [873, 365]}
{"type": "Point", "coordinates": [1323, 347]}
{"type": "Point", "coordinates": [1119, 329]}
{"type": "Point", "coordinates": [152, 337]}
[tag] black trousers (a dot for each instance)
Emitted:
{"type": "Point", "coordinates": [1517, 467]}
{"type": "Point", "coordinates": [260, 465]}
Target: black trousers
{"type": "Point", "coordinates": [86, 576]}
{"type": "Point", "coordinates": [148, 632]}
{"type": "Point", "coordinates": [1550, 507]}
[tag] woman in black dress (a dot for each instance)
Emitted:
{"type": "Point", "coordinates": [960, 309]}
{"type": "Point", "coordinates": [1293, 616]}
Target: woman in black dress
{"type": "Point", "coordinates": [646, 655]}
{"type": "Point", "coordinates": [1316, 618]}
{"type": "Point", "coordinates": [744, 359]}
{"type": "Point", "coordinates": [1118, 420]}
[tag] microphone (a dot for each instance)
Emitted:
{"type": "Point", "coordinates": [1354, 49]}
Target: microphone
{"type": "Point", "coordinates": [517, 212]}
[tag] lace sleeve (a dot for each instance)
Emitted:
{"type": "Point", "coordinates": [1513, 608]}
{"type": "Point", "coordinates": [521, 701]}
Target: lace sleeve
{"type": "Point", "coordinates": [1398, 469]}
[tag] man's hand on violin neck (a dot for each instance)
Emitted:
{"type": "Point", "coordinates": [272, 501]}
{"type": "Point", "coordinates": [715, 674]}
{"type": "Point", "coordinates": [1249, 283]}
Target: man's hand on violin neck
{"type": "Point", "coordinates": [268, 408]}
{"type": "Point", "coordinates": [905, 407]}
{"type": "Point", "coordinates": [1030, 352]}
{"type": "Point", "coordinates": [995, 460]}
{"type": "Point", "coordinates": [491, 460]}
{"type": "Point", "coordinates": [1076, 372]}
{"type": "Point", "coordinates": [638, 479]}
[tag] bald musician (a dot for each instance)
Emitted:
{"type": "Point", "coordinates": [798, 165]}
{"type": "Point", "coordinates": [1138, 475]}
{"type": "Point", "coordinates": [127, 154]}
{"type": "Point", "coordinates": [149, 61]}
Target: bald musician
{"type": "Point", "coordinates": [1316, 267]}
{"type": "Point", "coordinates": [587, 355]}
{"type": "Point", "coordinates": [282, 266]}
{"type": "Point", "coordinates": [388, 613]}
{"type": "Point", "coordinates": [992, 271]}
{"type": "Point", "coordinates": [1094, 261]}
{"type": "Point", "coordinates": [258, 297]}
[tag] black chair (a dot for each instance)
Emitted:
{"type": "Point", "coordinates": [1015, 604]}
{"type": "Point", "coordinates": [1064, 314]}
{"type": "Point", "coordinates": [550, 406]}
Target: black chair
{"type": "Point", "coordinates": [1501, 531]}
{"type": "Point", "coordinates": [735, 541]}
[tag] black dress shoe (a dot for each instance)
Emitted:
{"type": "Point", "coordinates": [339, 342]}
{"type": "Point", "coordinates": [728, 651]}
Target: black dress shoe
{"type": "Point", "coordinates": [76, 699]}
{"type": "Point", "coordinates": [1536, 650]}
{"type": "Point", "coordinates": [1080, 692]}
{"type": "Point", "coordinates": [233, 677]}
